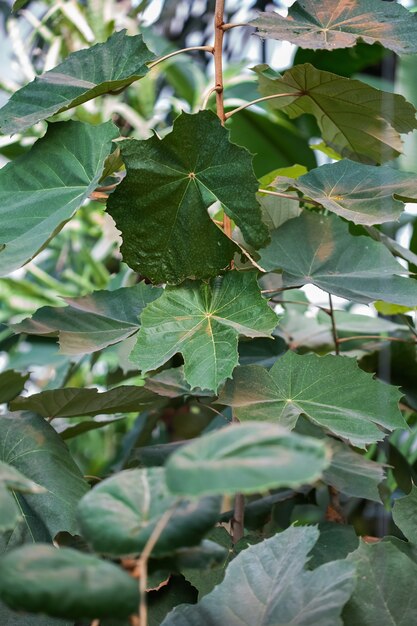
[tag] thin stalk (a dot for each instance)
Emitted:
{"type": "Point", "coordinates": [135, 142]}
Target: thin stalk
{"type": "Point", "coordinates": [207, 96]}
{"type": "Point", "coordinates": [173, 54]}
{"type": "Point", "coordinates": [231, 25]}
{"type": "Point", "coordinates": [381, 337]}
{"type": "Point", "coordinates": [289, 196]}
{"type": "Point", "coordinates": [334, 328]}
{"type": "Point", "coordinates": [263, 99]}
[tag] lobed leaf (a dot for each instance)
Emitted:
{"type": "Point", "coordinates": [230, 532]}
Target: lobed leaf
{"type": "Point", "coordinates": [202, 321]}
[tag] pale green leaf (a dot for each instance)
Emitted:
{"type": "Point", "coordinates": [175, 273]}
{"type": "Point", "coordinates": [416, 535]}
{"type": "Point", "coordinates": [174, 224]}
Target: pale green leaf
{"type": "Point", "coordinates": [203, 321]}
{"type": "Point", "coordinates": [363, 194]}
{"type": "Point", "coordinates": [356, 268]}
{"type": "Point", "coordinates": [267, 585]}
{"type": "Point", "coordinates": [118, 516]}
{"type": "Point", "coordinates": [331, 391]}
{"type": "Point", "coordinates": [92, 322]}
{"type": "Point", "coordinates": [405, 515]}
{"type": "Point", "coordinates": [161, 207]}
{"type": "Point", "coordinates": [86, 74]}
{"type": "Point", "coordinates": [332, 24]}
{"type": "Point", "coordinates": [66, 583]}
{"type": "Point", "coordinates": [250, 458]}
{"type": "Point", "coordinates": [41, 190]}
{"type": "Point", "coordinates": [358, 121]}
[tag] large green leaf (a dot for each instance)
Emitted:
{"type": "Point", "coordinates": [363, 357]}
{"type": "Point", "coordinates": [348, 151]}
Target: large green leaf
{"type": "Point", "coordinates": [161, 207]}
{"type": "Point", "coordinates": [31, 446]}
{"type": "Point", "coordinates": [92, 322]}
{"type": "Point", "coordinates": [386, 588]}
{"type": "Point", "coordinates": [75, 402]}
{"type": "Point", "coordinates": [41, 190]}
{"type": "Point", "coordinates": [11, 384]}
{"type": "Point", "coordinates": [363, 194]}
{"type": "Point", "coordinates": [358, 121]}
{"type": "Point", "coordinates": [405, 515]}
{"type": "Point", "coordinates": [332, 24]}
{"type": "Point", "coordinates": [356, 268]}
{"type": "Point", "coordinates": [84, 75]}
{"type": "Point", "coordinates": [267, 585]}
{"type": "Point", "coordinates": [203, 321]}
{"type": "Point", "coordinates": [247, 458]}
{"type": "Point", "coordinates": [119, 515]}
{"type": "Point", "coordinates": [331, 391]}
{"type": "Point", "coordinates": [66, 583]}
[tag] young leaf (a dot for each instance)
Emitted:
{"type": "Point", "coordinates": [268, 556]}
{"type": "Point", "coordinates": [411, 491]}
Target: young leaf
{"type": "Point", "coordinates": [386, 588]}
{"type": "Point", "coordinates": [363, 194]}
{"type": "Point", "coordinates": [203, 321]}
{"type": "Point", "coordinates": [86, 74]}
{"type": "Point", "coordinates": [161, 207]}
{"type": "Point", "coordinates": [358, 121]}
{"type": "Point", "coordinates": [41, 190]}
{"type": "Point", "coordinates": [119, 515]}
{"type": "Point", "coordinates": [356, 268]}
{"type": "Point", "coordinates": [92, 322]}
{"type": "Point", "coordinates": [405, 515]}
{"type": "Point", "coordinates": [250, 458]}
{"type": "Point", "coordinates": [66, 583]}
{"type": "Point", "coordinates": [331, 391]}
{"type": "Point", "coordinates": [31, 446]}
{"type": "Point", "coordinates": [267, 584]}
{"type": "Point", "coordinates": [332, 24]}
{"type": "Point", "coordinates": [75, 402]}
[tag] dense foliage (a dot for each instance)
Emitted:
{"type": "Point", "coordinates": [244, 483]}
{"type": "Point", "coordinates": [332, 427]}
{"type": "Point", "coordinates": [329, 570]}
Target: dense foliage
{"type": "Point", "coordinates": [208, 318]}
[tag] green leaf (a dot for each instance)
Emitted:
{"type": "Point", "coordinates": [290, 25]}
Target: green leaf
{"type": "Point", "coordinates": [335, 542]}
{"type": "Point", "coordinates": [11, 480]}
{"type": "Point", "coordinates": [118, 516]}
{"type": "Point", "coordinates": [11, 384]}
{"type": "Point", "coordinates": [10, 618]}
{"type": "Point", "coordinates": [333, 24]}
{"type": "Point", "coordinates": [84, 75]}
{"type": "Point", "coordinates": [171, 383]}
{"type": "Point", "coordinates": [41, 190]}
{"type": "Point", "coordinates": [353, 474]}
{"type": "Point", "coordinates": [203, 321]}
{"type": "Point", "coordinates": [70, 430]}
{"type": "Point", "coordinates": [249, 458]}
{"type": "Point", "coordinates": [92, 322]}
{"type": "Point", "coordinates": [386, 588]}
{"type": "Point", "coordinates": [75, 402]}
{"type": "Point", "coordinates": [66, 583]}
{"type": "Point", "coordinates": [355, 268]}
{"type": "Point", "coordinates": [332, 391]}
{"type": "Point", "coordinates": [405, 515]}
{"type": "Point", "coordinates": [358, 121]}
{"type": "Point", "coordinates": [161, 207]}
{"type": "Point", "coordinates": [31, 446]}
{"type": "Point", "coordinates": [267, 585]}
{"type": "Point", "coordinates": [363, 194]}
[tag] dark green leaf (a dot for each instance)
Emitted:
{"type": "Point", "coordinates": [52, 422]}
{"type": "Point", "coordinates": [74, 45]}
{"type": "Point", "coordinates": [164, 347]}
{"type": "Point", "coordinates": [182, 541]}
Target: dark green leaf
{"type": "Point", "coordinates": [119, 515]}
{"type": "Point", "coordinates": [11, 384]}
{"type": "Point", "coordinates": [31, 446]}
{"type": "Point", "coordinates": [84, 75]}
{"type": "Point", "coordinates": [75, 402]}
{"type": "Point", "coordinates": [11, 480]}
{"type": "Point", "coordinates": [356, 268]}
{"type": "Point", "coordinates": [267, 585]}
{"type": "Point", "coordinates": [92, 322]}
{"type": "Point", "coordinates": [332, 24]}
{"type": "Point", "coordinates": [68, 431]}
{"type": "Point", "coordinates": [203, 321]}
{"type": "Point", "coordinates": [171, 383]}
{"type": "Point", "coordinates": [358, 121]}
{"type": "Point", "coordinates": [405, 515]}
{"type": "Point", "coordinates": [161, 207]}
{"type": "Point", "coordinates": [331, 391]}
{"type": "Point", "coordinates": [65, 583]}
{"type": "Point", "coordinates": [386, 588]}
{"type": "Point", "coordinates": [12, 618]}
{"type": "Point", "coordinates": [41, 190]}
{"type": "Point", "coordinates": [364, 194]}
{"type": "Point", "coordinates": [335, 542]}
{"type": "Point", "coordinates": [250, 458]}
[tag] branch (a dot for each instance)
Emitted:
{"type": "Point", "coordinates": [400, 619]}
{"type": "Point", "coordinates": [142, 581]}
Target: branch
{"type": "Point", "coordinates": [263, 99]}
{"type": "Point", "coordinates": [173, 54]}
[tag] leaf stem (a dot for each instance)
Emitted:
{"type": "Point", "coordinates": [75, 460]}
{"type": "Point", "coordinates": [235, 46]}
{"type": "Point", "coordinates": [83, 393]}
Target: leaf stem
{"type": "Point", "coordinates": [334, 328]}
{"type": "Point", "coordinates": [173, 54]}
{"type": "Point", "coordinates": [207, 96]}
{"type": "Point", "coordinates": [381, 337]}
{"type": "Point", "coordinates": [263, 99]}
{"type": "Point", "coordinates": [229, 26]}
{"type": "Point", "coordinates": [289, 196]}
